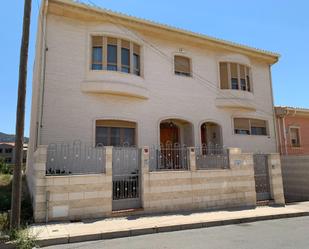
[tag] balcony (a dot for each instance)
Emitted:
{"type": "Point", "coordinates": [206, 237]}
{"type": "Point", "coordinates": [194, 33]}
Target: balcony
{"type": "Point", "coordinates": [235, 99]}
{"type": "Point", "coordinates": [115, 83]}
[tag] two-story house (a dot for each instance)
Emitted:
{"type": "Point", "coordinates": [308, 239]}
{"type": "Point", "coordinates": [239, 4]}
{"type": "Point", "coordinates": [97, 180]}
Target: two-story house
{"type": "Point", "coordinates": [109, 79]}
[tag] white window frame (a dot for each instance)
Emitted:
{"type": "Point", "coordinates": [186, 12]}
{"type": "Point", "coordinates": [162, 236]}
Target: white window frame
{"type": "Point", "coordinates": [299, 136]}
{"type": "Point", "coordinates": [104, 50]}
{"type": "Point", "coordinates": [249, 118]}
{"type": "Point", "coordinates": [238, 75]}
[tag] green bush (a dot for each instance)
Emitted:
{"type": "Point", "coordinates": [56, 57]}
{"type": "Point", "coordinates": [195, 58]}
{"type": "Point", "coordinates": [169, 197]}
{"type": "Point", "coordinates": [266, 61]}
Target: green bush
{"type": "Point", "coordinates": [4, 222]}
{"type": "Point", "coordinates": [4, 167]}
{"type": "Point", "coordinates": [22, 239]}
{"type": "Point", "coordinates": [5, 198]}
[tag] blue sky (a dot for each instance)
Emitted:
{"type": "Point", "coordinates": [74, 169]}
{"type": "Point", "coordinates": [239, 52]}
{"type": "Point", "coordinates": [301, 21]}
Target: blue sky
{"type": "Point", "coordinates": [276, 25]}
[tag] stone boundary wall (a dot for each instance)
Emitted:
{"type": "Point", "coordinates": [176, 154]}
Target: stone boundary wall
{"type": "Point", "coordinates": [295, 174]}
{"type": "Point", "coordinates": [201, 189]}
{"type": "Point", "coordinates": [75, 197]}
{"type": "Point", "coordinates": [70, 197]}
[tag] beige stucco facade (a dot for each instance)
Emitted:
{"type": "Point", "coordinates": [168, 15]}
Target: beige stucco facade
{"type": "Point", "coordinates": [69, 97]}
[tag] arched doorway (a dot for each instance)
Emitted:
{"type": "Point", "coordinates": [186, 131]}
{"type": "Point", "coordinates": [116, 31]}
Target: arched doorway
{"type": "Point", "coordinates": [211, 135]}
{"type": "Point", "coordinates": [175, 136]}
{"type": "Point", "coordinates": [176, 132]}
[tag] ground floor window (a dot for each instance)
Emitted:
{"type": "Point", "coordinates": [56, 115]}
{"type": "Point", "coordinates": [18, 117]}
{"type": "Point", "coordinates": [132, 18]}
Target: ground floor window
{"type": "Point", "coordinates": [249, 126]}
{"type": "Point", "coordinates": [115, 133]}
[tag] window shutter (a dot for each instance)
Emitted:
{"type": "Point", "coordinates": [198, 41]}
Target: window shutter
{"type": "Point", "coordinates": [224, 82]}
{"type": "Point", "coordinates": [182, 64]}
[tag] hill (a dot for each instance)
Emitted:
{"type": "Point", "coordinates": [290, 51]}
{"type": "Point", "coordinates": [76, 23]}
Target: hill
{"type": "Point", "coordinates": [10, 138]}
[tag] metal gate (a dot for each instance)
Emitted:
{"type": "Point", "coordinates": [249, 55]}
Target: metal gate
{"type": "Point", "coordinates": [261, 177]}
{"type": "Point", "coordinates": [126, 178]}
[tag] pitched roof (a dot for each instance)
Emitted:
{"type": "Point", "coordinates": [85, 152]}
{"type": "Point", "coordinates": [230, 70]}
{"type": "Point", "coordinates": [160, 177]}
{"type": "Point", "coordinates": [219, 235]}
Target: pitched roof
{"type": "Point", "coordinates": [225, 43]}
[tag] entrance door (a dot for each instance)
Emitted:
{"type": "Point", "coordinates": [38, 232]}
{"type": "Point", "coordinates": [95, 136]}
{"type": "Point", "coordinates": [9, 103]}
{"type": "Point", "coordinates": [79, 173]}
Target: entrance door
{"type": "Point", "coordinates": [261, 177]}
{"type": "Point", "coordinates": [126, 178]}
{"type": "Point", "coordinates": [169, 134]}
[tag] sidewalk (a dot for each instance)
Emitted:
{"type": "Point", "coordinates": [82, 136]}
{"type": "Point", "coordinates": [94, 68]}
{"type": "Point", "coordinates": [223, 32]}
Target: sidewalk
{"type": "Point", "coordinates": [61, 233]}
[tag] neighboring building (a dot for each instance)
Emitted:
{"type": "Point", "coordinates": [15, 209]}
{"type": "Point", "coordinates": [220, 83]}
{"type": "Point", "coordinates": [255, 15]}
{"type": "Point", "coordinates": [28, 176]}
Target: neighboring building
{"type": "Point", "coordinates": [7, 152]}
{"type": "Point", "coordinates": [293, 130]}
{"type": "Point", "coordinates": [109, 79]}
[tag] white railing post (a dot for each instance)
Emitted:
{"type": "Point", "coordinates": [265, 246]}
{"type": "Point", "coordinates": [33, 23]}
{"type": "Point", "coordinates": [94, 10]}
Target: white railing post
{"type": "Point", "coordinates": [108, 160]}
{"type": "Point", "coordinates": [192, 158]}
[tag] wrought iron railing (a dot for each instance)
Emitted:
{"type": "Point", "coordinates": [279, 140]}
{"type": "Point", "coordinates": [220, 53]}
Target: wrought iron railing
{"type": "Point", "coordinates": [169, 157]}
{"type": "Point", "coordinates": [75, 158]}
{"type": "Point", "coordinates": [212, 157]}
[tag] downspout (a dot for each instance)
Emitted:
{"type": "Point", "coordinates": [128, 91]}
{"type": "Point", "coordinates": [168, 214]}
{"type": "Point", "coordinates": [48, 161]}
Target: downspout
{"type": "Point", "coordinates": [279, 135]}
{"type": "Point", "coordinates": [42, 77]}
{"type": "Point", "coordinates": [284, 136]}
{"type": "Point", "coordinates": [273, 106]}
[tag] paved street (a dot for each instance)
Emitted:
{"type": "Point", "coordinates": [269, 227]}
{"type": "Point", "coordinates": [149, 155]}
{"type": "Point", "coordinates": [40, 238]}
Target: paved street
{"type": "Point", "coordinates": [289, 233]}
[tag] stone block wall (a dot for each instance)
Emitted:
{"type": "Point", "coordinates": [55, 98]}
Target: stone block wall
{"type": "Point", "coordinates": [200, 189]}
{"type": "Point", "coordinates": [69, 197]}
{"type": "Point", "coordinates": [295, 174]}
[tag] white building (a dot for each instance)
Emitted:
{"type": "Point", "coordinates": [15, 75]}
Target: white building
{"type": "Point", "coordinates": [106, 78]}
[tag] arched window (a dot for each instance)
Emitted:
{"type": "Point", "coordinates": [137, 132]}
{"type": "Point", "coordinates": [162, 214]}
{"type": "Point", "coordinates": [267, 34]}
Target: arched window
{"type": "Point", "coordinates": [182, 65]}
{"type": "Point", "coordinates": [235, 76]}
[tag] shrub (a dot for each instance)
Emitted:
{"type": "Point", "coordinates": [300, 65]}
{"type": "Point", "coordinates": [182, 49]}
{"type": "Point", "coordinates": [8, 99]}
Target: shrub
{"type": "Point", "coordinates": [22, 239]}
{"type": "Point", "coordinates": [4, 222]}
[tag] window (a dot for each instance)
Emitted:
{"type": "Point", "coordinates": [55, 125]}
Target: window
{"type": "Point", "coordinates": [234, 76]}
{"type": "Point", "coordinates": [8, 150]}
{"type": "Point", "coordinates": [136, 59]}
{"type": "Point", "coordinates": [111, 54]}
{"type": "Point", "coordinates": [248, 126]}
{"type": "Point", "coordinates": [97, 53]}
{"type": "Point", "coordinates": [8, 160]}
{"type": "Point", "coordinates": [294, 136]}
{"type": "Point", "coordinates": [182, 65]}
{"type": "Point", "coordinates": [114, 54]}
{"type": "Point", "coordinates": [0, 150]}
{"type": "Point", "coordinates": [125, 56]}
{"type": "Point", "coordinates": [115, 133]}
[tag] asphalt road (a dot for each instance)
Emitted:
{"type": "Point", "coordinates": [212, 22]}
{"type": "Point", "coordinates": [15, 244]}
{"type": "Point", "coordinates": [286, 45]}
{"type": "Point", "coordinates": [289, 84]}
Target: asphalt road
{"type": "Point", "coordinates": [292, 233]}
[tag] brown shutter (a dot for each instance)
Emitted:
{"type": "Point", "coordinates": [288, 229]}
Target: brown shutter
{"type": "Point", "coordinates": [224, 82]}
{"type": "Point", "coordinates": [241, 123]}
{"type": "Point", "coordinates": [182, 64]}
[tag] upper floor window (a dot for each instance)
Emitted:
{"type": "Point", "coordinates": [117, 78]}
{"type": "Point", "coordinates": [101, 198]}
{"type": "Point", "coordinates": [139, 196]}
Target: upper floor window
{"type": "Point", "coordinates": [8, 150]}
{"type": "Point", "coordinates": [235, 76]}
{"type": "Point", "coordinates": [294, 136]}
{"type": "Point", "coordinates": [182, 65]}
{"type": "Point", "coordinates": [250, 126]}
{"type": "Point", "coordinates": [114, 54]}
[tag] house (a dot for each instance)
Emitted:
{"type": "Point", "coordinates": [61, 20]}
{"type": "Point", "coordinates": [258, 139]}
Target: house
{"type": "Point", "coordinates": [106, 79]}
{"type": "Point", "coordinates": [293, 130]}
{"type": "Point", "coordinates": [7, 152]}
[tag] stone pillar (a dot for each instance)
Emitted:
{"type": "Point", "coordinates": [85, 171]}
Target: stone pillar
{"type": "Point", "coordinates": [144, 174]}
{"type": "Point", "coordinates": [39, 184]}
{"type": "Point", "coordinates": [192, 158]}
{"type": "Point", "coordinates": [275, 178]}
{"type": "Point", "coordinates": [108, 160]}
{"type": "Point", "coordinates": [242, 163]}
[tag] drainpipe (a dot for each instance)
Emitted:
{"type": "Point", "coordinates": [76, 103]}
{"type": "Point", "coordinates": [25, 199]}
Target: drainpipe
{"type": "Point", "coordinates": [284, 135]}
{"type": "Point", "coordinates": [42, 70]}
{"type": "Point", "coordinates": [279, 135]}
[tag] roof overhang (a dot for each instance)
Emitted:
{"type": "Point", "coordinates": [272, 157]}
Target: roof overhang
{"type": "Point", "coordinates": [86, 12]}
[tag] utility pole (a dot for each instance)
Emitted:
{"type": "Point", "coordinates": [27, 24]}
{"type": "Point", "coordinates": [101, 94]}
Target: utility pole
{"type": "Point", "coordinates": [20, 119]}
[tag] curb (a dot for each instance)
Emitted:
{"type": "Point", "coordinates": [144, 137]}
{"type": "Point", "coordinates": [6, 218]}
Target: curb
{"type": "Point", "coordinates": [152, 230]}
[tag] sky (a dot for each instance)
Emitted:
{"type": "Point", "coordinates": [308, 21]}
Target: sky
{"type": "Point", "coordinates": [280, 26]}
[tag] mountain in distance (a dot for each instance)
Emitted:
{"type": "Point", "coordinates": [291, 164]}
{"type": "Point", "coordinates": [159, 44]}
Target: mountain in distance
{"type": "Point", "coordinates": [10, 138]}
